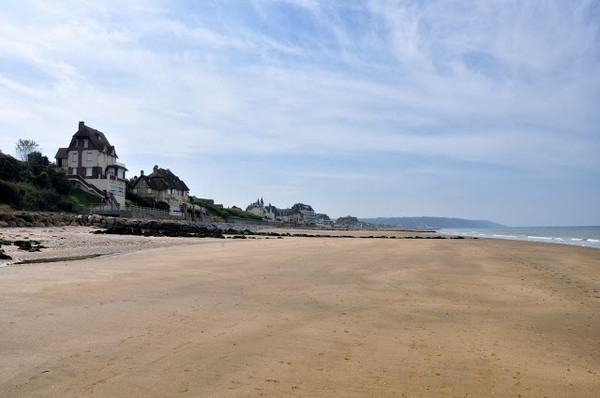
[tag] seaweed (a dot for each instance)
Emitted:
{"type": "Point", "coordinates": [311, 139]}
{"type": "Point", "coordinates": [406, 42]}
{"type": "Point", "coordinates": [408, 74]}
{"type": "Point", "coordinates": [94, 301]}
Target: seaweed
{"type": "Point", "coordinates": [29, 245]}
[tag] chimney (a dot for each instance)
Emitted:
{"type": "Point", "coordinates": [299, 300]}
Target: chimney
{"type": "Point", "coordinates": [81, 126]}
{"type": "Point", "coordinates": [155, 167]}
{"type": "Point", "coordinates": [141, 173]}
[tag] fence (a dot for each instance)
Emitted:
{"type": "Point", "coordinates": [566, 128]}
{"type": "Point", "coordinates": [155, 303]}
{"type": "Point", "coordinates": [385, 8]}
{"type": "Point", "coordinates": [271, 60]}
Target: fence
{"type": "Point", "coordinates": [133, 211]}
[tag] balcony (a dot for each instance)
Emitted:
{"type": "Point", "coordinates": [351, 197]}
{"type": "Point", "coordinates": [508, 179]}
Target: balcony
{"type": "Point", "coordinates": [117, 165]}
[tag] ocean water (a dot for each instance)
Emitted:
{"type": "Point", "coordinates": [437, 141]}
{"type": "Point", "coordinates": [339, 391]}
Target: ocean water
{"type": "Point", "coordinates": [577, 236]}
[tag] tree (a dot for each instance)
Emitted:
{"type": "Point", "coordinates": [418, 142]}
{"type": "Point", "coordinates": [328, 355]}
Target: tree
{"type": "Point", "coordinates": [25, 148]}
{"type": "Point", "coordinates": [10, 169]}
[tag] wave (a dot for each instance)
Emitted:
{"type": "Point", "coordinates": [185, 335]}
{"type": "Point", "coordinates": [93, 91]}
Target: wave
{"type": "Point", "coordinates": [578, 236]}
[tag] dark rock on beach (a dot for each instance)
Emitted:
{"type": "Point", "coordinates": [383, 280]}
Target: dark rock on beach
{"type": "Point", "coordinates": [122, 226]}
{"type": "Point", "coordinates": [4, 256]}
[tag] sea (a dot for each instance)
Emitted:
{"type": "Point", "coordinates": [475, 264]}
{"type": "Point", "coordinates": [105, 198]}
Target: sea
{"type": "Point", "coordinates": [577, 236]}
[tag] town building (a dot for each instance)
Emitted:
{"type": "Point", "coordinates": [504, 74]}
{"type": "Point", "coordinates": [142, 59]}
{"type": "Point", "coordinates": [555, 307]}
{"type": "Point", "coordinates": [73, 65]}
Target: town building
{"type": "Point", "coordinates": [298, 214]}
{"type": "Point", "coordinates": [162, 185]}
{"type": "Point", "coordinates": [302, 214]}
{"type": "Point", "coordinates": [91, 163]}
{"type": "Point", "coordinates": [266, 212]}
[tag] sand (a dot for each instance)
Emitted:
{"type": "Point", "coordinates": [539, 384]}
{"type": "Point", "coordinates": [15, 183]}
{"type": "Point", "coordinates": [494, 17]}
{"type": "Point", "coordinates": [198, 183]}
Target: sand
{"type": "Point", "coordinates": [305, 317]}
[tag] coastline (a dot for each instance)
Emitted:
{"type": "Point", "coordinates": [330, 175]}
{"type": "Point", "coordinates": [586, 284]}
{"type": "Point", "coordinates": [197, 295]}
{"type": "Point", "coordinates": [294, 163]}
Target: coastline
{"type": "Point", "coordinates": [583, 236]}
{"type": "Point", "coordinates": [303, 317]}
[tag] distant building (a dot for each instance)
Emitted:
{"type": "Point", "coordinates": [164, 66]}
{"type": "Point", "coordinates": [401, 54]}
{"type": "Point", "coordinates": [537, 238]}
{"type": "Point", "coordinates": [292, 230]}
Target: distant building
{"type": "Point", "coordinates": [346, 221]}
{"type": "Point", "coordinates": [302, 214]}
{"type": "Point", "coordinates": [91, 163]}
{"type": "Point", "coordinates": [299, 213]}
{"type": "Point", "coordinates": [162, 185]}
{"type": "Point", "coordinates": [259, 208]}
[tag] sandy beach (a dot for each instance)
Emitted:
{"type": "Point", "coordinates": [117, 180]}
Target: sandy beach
{"type": "Point", "coordinates": [305, 317]}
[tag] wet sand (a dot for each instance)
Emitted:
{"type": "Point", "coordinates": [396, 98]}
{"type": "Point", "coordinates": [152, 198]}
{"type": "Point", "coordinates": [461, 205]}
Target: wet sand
{"type": "Point", "coordinates": [306, 317]}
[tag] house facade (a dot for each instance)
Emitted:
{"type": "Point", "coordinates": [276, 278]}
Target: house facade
{"type": "Point", "coordinates": [91, 163]}
{"type": "Point", "coordinates": [162, 185]}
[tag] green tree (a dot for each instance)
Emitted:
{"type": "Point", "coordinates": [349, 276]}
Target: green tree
{"type": "Point", "coordinates": [25, 148]}
{"type": "Point", "coordinates": [10, 168]}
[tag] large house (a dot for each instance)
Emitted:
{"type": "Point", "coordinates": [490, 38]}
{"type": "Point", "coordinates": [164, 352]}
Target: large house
{"type": "Point", "coordinates": [162, 185]}
{"type": "Point", "coordinates": [91, 163]}
{"type": "Point", "coordinates": [302, 214]}
{"type": "Point", "coordinates": [266, 212]}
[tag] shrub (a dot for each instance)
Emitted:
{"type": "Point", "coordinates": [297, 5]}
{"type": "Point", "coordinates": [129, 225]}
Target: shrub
{"type": "Point", "coordinates": [162, 205]}
{"type": "Point", "coordinates": [11, 193]}
{"type": "Point", "coordinates": [39, 199]}
{"type": "Point", "coordinates": [140, 200]}
{"type": "Point", "coordinates": [65, 205]}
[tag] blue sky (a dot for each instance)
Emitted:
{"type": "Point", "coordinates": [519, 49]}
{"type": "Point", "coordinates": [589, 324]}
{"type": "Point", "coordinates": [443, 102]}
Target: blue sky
{"type": "Point", "coordinates": [471, 109]}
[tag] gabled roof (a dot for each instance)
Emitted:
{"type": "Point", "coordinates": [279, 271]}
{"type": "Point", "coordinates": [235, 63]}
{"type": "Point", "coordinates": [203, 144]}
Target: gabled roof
{"type": "Point", "coordinates": [162, 179]}
{"type": "Point", "coordinates": [97, 139]}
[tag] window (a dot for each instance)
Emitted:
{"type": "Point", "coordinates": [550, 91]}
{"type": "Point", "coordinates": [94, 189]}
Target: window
{"type": "Point", "coordinates": [85, 143]}
{"type": "Point", "coordinates": [89, 157]}
{"type": "Point", "coordinates": [74, 156]}
{"type": "Point", "coordinates": [121, 190]}
{"type": "Point", "coordinates": [149, 190]}
{"type": "Point", "coordinates": [88, 171]}
{"type": "Point", "coordinates": [135, 191]}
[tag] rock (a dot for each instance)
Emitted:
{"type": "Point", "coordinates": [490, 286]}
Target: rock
{"type": "Point", "coordinates": [4, 256]}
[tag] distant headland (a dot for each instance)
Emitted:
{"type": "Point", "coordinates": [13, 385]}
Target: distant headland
{"type": "Point", "coordinates": [430, 222]}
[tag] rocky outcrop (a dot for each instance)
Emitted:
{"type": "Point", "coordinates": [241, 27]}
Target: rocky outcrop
{"type": "Point", "coordinates": [142, 227]}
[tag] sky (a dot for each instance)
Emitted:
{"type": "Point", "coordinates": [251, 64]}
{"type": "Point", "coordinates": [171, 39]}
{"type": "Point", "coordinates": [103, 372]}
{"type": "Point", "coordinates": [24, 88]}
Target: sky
{"type": "Point", "coordinates": [370, 108]}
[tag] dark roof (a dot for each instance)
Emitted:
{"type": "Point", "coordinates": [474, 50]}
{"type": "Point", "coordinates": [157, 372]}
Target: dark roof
{"type": "Point", "coordinates": [302, 207]}
{"type": "Point", "coordinates": [97, 139]}
{"type": "Point", "coordinates": [162, 179]}
{"type": "Point", "coordinates": [62, 153]}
